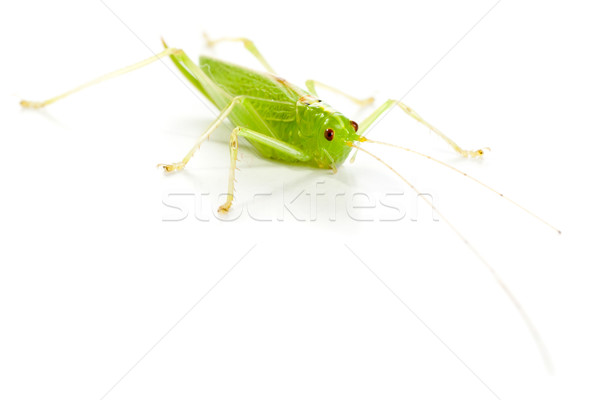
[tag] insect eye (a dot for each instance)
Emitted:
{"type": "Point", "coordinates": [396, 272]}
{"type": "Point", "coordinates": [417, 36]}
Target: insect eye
{"type": "Point", "coordinates": [354, 125]}
{"type": "Point", "coordinates": [329, 134]}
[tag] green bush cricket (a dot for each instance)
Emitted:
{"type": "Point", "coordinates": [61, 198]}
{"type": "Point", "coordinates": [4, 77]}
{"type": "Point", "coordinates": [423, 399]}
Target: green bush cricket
{"type": "Point", "coordinates": [287, 123]}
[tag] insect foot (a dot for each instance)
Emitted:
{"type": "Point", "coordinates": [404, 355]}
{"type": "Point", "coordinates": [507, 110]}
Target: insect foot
{"type": "Point", "coordinates": [172, 167]}
{"type": "Point", "coordinates": [32, 104]}
{"type": "Point", "coordinates": [224, 209]}
{"type": "Point", "coordinates": [475, 153]}
{"type": "Point", "coordinates": [365, 102]}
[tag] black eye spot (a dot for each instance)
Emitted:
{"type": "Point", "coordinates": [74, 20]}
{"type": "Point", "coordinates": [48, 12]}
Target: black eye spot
{"type": "Point", "coordinates": [329, 134]}
{"type": "Point", "coordinates": [354, 125]}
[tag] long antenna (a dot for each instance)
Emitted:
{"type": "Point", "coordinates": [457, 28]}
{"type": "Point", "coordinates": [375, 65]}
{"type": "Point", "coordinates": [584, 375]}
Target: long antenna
{"type": "Point", "coordinates": [532, 329]}
{"type": "Point", "coordinates": [468, 176]}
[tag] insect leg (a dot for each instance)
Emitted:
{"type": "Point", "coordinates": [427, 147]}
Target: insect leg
{"type": "Point", "coordinates": [364, 125]}
{"type": "Point", "coordinates": [238, 101]}
{"type": "Point", "coordinates": [255, 137]}
{"type": "Point", "coordinates": [178, 166]}
{"type": "Point", "coordinates": [133, 67]}
{"type": "Point", "coordinates": [248, 44]}
{"type": "Point", "coordinates": [311, 86]}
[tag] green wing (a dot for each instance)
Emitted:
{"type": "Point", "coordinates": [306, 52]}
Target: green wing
{"type": "Point", "coordinates": [236, 81]}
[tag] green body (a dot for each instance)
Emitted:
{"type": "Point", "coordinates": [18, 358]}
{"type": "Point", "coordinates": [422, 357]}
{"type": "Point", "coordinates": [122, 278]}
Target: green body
{"type": "Point", "coordinates": [275, 108]}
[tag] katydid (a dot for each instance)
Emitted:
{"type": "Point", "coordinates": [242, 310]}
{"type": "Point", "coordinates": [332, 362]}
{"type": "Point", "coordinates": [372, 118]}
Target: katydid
{"type": "Point", "coordinates": [290, 124]}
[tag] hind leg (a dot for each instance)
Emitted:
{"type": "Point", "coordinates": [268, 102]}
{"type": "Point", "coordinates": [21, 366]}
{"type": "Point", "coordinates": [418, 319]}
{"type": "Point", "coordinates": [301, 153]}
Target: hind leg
{"type": "Point", "coordinates": [39, 104]}
{"type": "Point", "coordinates": [248, 44]}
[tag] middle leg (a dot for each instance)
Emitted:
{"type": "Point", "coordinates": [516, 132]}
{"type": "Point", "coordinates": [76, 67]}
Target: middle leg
{"type": "Point", "coordinates": [238, 101]}
{"type": "Point", "coordinates": [178, 166]}
{"type": "Point", "coordinates": [253, 136]}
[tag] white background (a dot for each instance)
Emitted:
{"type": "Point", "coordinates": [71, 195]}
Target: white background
{"type": "Point", "coordinates": [94, 272]}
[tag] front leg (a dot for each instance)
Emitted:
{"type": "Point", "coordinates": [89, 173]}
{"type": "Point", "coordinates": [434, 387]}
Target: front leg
{"type": "Point", "coordinates": [382, 110]}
